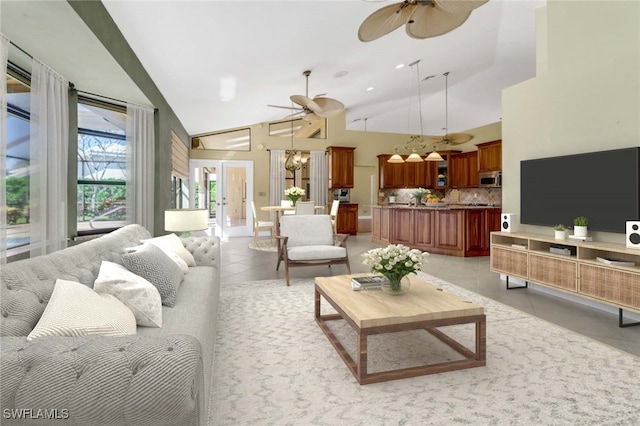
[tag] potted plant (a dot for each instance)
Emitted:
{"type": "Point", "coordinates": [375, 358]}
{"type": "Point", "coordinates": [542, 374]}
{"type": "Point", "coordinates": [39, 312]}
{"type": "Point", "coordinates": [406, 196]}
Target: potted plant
{"type": "Point", "coordinates": [561, 232]}
{"type": "Point", "coordinates": [392, 197]}
{"type": "Point", "coordinates": [419, 194]}
{"type": "Point", "coordinates": [580, 226]}
{"type": "Point", "coordinates": [294, 194]}
{"type": "Point", "coordinates": [395, 262]}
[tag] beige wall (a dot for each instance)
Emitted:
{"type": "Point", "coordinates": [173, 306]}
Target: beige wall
{"type": "Point", "coordinates": [586, 96]}
{"type": "Point", "coordinates": [368, 146]}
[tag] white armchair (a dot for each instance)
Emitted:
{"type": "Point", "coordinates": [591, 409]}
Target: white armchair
{"type": "Point", "coordinates": [307, 240]}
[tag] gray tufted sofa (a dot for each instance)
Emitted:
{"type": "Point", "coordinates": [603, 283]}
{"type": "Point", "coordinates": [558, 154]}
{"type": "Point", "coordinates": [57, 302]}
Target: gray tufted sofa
{"type": "Point", "coordinates": [160, 376]}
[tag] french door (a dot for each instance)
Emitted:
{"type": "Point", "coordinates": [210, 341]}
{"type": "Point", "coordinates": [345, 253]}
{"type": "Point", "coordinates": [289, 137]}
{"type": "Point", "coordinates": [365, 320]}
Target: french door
{"type": "Point", "coordinates": [225, 188]}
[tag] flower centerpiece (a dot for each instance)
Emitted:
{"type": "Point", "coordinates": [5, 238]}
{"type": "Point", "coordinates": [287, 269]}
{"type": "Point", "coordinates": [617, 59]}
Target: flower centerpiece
{"type": "Point", "coordinates": [419, 194]}
{"type": "Point", "coordinates": [294, 194]}
{"type": "Point", "coordinates": [395, 262]}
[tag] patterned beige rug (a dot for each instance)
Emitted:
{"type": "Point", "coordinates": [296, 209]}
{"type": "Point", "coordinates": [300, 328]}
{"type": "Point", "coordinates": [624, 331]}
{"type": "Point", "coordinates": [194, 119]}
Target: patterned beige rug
{"type": "Point", "coordinates": [274, 366]}
{"type": "Point", "coordinates": [264, 245]}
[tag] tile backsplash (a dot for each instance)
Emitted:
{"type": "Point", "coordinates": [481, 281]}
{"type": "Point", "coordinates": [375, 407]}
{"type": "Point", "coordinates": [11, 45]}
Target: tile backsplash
{"type": "Point", "coordinates": [467, 195]}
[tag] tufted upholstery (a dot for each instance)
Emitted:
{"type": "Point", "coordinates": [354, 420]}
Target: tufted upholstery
{"type": "Point", "coordinates": [160, 376]}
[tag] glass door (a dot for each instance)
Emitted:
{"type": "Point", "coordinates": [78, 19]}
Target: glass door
{"type": "Point", "coordinates": [225, 188]}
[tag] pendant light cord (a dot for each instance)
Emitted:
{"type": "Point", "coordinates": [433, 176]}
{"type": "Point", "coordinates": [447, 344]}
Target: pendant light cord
{"type": "Point", "coordinates": [446, 103]}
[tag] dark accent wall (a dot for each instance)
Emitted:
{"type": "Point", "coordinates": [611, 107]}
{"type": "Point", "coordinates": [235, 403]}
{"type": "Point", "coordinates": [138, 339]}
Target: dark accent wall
{"type": "Point", "coordinates": [98, 20]}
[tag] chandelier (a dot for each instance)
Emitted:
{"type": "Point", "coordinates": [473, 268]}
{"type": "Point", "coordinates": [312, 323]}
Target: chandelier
{"type": "Point", "coordinates": [293, 158]}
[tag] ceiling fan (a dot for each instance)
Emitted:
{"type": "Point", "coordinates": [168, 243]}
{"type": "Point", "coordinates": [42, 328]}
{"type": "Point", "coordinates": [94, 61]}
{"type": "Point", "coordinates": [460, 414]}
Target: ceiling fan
{"type": "Point", "coordinates": [449, 138]}
{"type": "Point", "coordinates": [312, 109]}
{"type": "Point", "coordinates": [423, 18]}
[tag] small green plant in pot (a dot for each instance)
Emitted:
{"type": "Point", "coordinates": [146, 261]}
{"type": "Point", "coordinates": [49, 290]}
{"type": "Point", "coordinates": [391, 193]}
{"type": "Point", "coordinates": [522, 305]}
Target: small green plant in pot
{"type": "Point", "coordinates": [580, 226]}
{"type": "Point", "coordinates": [392, 197]}
{"type": "Point", "coordinates": [560, 232]}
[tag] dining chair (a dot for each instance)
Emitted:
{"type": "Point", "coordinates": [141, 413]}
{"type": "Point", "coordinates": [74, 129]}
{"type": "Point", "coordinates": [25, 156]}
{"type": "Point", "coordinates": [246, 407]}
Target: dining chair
{"type": "Point", "coordinates": [333, 214]}
{"type": "Point", "coordinates": [261, 224]}
{"type": "Point", "coordinates": [287, 203]}
{"type": "Point", "coordinates": [305, 207]}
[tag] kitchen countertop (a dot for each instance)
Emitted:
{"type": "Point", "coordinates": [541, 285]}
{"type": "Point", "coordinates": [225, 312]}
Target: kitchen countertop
{"type": "Point", "coordinates": [439, 206]}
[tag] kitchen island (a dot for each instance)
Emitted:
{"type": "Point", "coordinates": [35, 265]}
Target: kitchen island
{"type": "Point", "coordinates": [452, 229]}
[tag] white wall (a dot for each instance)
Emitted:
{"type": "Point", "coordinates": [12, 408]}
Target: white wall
{"type": "Point", "coordinates": [585, 98]}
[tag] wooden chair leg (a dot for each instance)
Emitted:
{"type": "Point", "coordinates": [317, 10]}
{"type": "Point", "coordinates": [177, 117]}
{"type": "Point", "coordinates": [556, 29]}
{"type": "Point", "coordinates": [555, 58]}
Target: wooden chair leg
{"type": "Point", "coordinates": [255, 237]}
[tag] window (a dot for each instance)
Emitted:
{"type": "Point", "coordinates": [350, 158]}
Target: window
{"type": "Point", "coordinates": [102, 163]}
{"type": "Point", "coordinates": [18, 155]}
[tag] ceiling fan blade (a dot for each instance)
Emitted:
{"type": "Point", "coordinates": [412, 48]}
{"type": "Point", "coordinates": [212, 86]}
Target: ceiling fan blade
{"type": "Point", "coordinates": [459, 6]}
{"type": "Point", "coordinates": [457, 138]}
{"type": "Point", "coordinates": [284, 107]}
{"type": "Point", "coordinates": [329, 106]}
{"type": "Point", "coordinates": [311, 117]}
{"type": "Point", "coordinates": [385, 20]}
{"type": "Point", "coordinates": [431, 21]}
{"type": "Point", "coordinates": [305, 102]}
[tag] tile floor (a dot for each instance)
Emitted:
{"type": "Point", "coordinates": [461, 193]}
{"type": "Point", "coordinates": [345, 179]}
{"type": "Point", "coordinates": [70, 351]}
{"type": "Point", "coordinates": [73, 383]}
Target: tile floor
{"type": "Point", "coordinates": [240, 263]}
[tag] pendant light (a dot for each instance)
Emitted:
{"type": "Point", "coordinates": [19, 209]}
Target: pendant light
{"type": "Point", "coordinates": [416, 141]}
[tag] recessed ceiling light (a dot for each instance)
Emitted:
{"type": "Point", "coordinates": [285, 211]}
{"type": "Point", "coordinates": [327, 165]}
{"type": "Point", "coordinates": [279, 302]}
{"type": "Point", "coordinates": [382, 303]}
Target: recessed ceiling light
{"type": "Point", "coordinates": [399, 66]}
{"type": "Point", "coordinates": [369, 89]}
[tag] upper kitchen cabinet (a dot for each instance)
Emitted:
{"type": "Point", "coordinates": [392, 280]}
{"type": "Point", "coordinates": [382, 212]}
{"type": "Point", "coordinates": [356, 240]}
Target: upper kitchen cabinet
{"type": "Point", "coordinates": [341, 162]}
{"type": "Point", "coordinates": [390, 175]}
{"type": "Point", "coordinates": [441, 170]}
{"type": "Point", "coordinates": [464, 170]}
{"type": "Point", "coordinates": [490, 156]}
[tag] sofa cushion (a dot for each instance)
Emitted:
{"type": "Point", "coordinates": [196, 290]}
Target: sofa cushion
{"type": "Point", "coordinates": [152, 264]}
{"type": "Point", "coordinates": [76, 310]}
{"type": "Point", "coordinates": [307, 230]}
{"type": "Point", "coordinates": [173, 243]}
{"type": "Point", "coordinates": [137, 294]}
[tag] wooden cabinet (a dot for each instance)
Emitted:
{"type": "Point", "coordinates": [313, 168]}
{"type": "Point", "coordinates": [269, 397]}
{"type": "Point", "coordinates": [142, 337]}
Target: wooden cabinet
{"type": "Point", "coordinates": [464, 170]}
{"type": "Point", "coordinates": [490, 156]}
{"type": "Point", "coordinates": [578, 272]}
{"type": "Point", "coordinates": [390, 175]}
{"type": "Point", "coordinates": [380, 225]}
{"type": "Point", "coordinates": [425, 232]}
{"type": "Point", "coordinates": [402, 226]}
{"type": "Point", "coordinates": [347, 219]}
{"type": "Point", "coordinates": [449, 226]}
{"type": "Point", "coordinates": [479, 223]}
{"type": "Point", "coordinates": [341, 163]}
{"type": "Point", "coordinates": [415, 175]}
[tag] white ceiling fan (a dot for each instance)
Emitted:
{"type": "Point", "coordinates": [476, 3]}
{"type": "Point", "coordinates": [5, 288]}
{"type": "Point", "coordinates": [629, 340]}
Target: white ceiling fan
{"type": "Point", "coordinates": [312, 109]}
{"type": "Point", "coordinates": [423, 18]}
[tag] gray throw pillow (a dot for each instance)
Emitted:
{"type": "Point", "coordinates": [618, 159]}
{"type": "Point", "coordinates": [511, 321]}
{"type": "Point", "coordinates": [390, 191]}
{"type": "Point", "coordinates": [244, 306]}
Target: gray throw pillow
{"type": "Point", "coordinates": [152, 264]}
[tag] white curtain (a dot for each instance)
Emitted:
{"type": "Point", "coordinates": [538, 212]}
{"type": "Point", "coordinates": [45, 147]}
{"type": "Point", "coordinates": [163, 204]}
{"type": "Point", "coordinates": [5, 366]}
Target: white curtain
{"type": "Point", "coordinates": [140, 165]}
{"type": "Point", "coordinates": [4, 52]}
{"type": "Point", "coordinates": [318, 174]}
{"type": "Point", "coordinates": [49, 150]}
{"type": "Point", "coordinates": [276, 176]}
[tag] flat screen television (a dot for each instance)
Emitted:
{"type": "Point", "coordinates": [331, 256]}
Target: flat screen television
{"type": "Point", "coordinates": [603, 186]}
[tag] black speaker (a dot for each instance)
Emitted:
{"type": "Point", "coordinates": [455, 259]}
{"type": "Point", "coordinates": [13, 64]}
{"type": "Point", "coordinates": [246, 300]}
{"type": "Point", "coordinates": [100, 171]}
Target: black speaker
{"type": "Point", "coordinates": [633, 234]}
{"type": "Point", "coordinates": [507, 222]}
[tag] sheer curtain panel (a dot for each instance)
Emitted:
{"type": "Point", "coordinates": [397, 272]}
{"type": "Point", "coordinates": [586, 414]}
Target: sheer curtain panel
{"type": "Point", "coordinates": [276, 177]}
{"type": "Point", "coordinates": [4, 51]}
{"type": "Point", "coordinates": [140, 165]}
{"type": "Point", "coordinates": [49, 147]}
{"type": "Point", "coordinates": [319, 177]}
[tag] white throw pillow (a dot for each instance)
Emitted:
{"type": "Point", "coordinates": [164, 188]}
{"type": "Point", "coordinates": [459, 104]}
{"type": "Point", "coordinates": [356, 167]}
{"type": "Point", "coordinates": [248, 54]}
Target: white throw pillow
{"type": "Point", "coordinates": [173, 243]}
{"type": "Point", "coordinates": [76, 310]}
{"type": "Point", "coordinates": [137, 294]}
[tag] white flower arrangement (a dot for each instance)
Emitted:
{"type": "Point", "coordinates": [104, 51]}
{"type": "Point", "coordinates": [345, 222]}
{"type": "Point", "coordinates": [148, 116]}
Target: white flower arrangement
{"type": "Point", "coordinates": [419, 193]}
{"type": "Point", "coordinates": [394, 261]}
{"type": "Point", "coordinates": [294, 193]}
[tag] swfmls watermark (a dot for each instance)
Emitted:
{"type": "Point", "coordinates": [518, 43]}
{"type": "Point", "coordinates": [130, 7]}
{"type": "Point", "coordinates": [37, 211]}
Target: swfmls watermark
{"type": "Point", "coordinates": [35, 414]}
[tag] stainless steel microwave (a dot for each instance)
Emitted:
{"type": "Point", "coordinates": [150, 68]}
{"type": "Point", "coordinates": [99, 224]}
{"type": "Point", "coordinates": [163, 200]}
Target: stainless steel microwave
{"type": "Point", "coordinates": [490, 179]}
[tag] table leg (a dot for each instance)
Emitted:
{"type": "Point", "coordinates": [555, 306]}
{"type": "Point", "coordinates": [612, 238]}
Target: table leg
{"type": "Point", "coordinates": [361, 357]}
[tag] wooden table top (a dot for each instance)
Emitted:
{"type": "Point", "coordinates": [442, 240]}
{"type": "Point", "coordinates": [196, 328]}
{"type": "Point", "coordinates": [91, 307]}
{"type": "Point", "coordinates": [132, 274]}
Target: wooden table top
{"type": "Point", "coordinates": [372, 308]}
{"type": "Point", "coordinates": [284, 208]}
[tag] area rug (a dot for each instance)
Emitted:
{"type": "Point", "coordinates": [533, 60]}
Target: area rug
{"type": "Point", "coordinates": [274, 366]}
{"type": "Point", "coordinates": [264, 245]}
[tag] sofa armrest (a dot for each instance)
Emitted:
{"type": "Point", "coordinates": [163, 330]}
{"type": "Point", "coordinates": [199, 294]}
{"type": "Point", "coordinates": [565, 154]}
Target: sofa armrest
{"type": "Point", "coordinates": [102, 380]}
{"type": "Point", "coordinates": [205, 250]}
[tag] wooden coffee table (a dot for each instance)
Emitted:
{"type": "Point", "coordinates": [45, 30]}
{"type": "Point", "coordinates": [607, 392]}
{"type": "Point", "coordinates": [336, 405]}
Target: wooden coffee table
{"type": "Point", "coordinates": [372, 312]}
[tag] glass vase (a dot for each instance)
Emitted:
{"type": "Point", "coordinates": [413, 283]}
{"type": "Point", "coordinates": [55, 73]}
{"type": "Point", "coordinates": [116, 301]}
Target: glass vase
{"type": "Point", "coordinates": [396, 287]}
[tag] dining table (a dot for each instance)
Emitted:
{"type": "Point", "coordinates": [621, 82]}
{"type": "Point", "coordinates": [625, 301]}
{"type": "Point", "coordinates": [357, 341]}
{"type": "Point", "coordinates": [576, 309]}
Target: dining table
{"type": "Point", "coordinates": [279, 210]}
